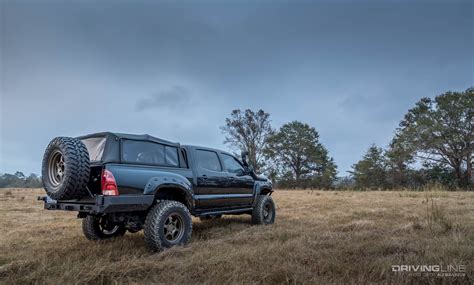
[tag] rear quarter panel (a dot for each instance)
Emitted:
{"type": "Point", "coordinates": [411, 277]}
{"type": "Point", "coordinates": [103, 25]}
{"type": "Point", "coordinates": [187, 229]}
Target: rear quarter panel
{"type": "Point", "coordinates": [132, 179]}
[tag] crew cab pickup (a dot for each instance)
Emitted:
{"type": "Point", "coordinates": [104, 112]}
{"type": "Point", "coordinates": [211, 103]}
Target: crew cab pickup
{"type": "Point", "coordinates": [124, 182]}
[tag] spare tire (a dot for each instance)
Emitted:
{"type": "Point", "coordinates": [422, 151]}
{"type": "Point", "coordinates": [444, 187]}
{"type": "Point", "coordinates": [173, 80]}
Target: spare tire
{"type": "Point", "coordinates": [66, 168]}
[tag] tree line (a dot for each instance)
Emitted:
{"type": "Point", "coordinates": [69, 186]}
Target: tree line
{"type": "Point", "coordinates": [20, 180]}
{"type": "Point", "coordinates": [433, 144]}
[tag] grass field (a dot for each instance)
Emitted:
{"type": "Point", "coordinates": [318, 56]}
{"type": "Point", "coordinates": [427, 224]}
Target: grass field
{"type": "Point", "coordinates": [318, 237]}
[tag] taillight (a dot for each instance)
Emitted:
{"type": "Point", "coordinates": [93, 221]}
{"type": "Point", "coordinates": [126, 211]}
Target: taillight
{"type": "Point", "coordinates": [109, 186]}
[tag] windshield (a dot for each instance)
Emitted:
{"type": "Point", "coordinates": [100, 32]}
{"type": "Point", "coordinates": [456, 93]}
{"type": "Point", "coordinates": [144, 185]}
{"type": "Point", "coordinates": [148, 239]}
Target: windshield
{"type": "Point", "coordinates": [95, 147]}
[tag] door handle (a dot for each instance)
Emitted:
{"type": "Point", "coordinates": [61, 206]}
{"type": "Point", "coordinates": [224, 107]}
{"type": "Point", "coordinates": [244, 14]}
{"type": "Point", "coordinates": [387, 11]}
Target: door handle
{"type": "Point", "coordinates": [204, 177]}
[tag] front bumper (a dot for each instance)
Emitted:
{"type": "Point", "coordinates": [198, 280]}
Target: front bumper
{"type": "Point", "coordinates": [102, 204]}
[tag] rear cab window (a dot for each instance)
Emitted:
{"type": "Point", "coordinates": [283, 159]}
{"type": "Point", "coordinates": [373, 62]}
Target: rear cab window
{"type": "Point", "coordinates": [149, 153]}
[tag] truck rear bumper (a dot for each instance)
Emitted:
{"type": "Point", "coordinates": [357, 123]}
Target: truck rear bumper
{"type": "Point", "coordinates": [103, 204]}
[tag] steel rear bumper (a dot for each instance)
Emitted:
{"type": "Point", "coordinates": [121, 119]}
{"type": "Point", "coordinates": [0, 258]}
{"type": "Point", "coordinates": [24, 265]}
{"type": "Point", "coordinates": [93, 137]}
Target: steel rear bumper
{"type": "Point", "coordinates": [102, 204]}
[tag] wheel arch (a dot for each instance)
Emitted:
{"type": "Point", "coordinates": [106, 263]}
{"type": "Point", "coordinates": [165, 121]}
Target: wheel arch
{"type": "Point", "coordinates": [175, 193]}
{"type": "Point", "coordinates": [266, 190]}
{"type": "Point", "coordinates": [262, 188]}
{"type": "Point", "coordinates": [171, 187]}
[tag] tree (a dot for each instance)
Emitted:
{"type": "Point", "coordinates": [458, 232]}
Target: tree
{"type": "Point", "coordinates": [249, 131]}
{"type": "Point", "coordinates": [326, 172]}
{"type": "Point", "coordinates": [20, 175]}
{"type": "Point", "coordinates": [296, 149]}
{"type": "Point", "coordinates": [371, 171]}
{"type": "Point", "coordinates": [346, 182]}
{"type": "Point", "coordinates": [33, 181]}
{"type": "Point", "coordinates": [441, 131]}
{"type": "Point", "coordinates": [398, 159]}
{"type": "Point", "coordinates": [20, 180]}
{"type": "Point", "coordinates": [435, 173]}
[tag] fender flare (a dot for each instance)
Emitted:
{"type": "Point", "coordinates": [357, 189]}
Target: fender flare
{"type": "Point", "coordinates": [171, 180]}
{"type": "Point", "coordinates": [259, 187]}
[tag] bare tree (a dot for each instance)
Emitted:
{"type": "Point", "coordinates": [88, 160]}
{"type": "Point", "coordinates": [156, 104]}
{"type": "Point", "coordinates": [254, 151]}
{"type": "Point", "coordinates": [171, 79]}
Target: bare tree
{"type": "Point", "coordinates": [249, 131]}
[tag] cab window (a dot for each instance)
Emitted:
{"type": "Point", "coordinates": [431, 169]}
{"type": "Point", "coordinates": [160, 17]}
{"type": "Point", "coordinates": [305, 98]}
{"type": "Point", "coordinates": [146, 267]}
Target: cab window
{"type": "Point", "coordinates": [208, 160]}
{"type": "Point", "coordinates": [232, 165]}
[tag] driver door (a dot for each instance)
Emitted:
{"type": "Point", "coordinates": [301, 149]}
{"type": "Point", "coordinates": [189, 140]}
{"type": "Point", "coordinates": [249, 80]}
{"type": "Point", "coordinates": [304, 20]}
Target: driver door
{"type": "Point", "coordinates": [240, 184]}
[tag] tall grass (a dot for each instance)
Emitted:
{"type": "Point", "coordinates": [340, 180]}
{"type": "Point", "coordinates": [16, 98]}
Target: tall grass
{"type": "Point", "coordinates": [437, 218]}
{"type": "Point", "coordinates": [319, 237]}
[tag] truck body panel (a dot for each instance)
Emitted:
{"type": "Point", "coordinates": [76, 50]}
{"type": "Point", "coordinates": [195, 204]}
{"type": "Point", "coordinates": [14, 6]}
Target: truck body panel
{"type": "Point", "coordinates": [210, 180]}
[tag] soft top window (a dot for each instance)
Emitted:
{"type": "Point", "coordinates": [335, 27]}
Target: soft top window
{"type": "Point", "coordinates": [95, 147]}
{"type": "Point", "coordinates": [142, 152]}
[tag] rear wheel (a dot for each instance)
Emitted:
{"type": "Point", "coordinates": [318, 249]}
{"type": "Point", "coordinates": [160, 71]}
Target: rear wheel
{"type": "Point", "coordinates": [97, 228]}
{"type": "Point", "coordinates": [264, 211]}
{"type": "Point", "coordinates": [167, 224]}
{"type": "Point", "coordinates": [65, 169]}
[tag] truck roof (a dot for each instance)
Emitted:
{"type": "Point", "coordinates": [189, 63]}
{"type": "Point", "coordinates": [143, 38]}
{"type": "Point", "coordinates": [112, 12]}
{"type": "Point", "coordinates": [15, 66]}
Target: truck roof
{"type": "Point", "coordinates": [209, 148]}
{"type": "Point", "coordinates": [143, 137]}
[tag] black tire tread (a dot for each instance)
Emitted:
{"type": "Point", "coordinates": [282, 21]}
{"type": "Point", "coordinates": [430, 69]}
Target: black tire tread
{"type": "Point", "coordinates": [76, 158]}
{"type": "Point", "coordinates": [91, 229]}
{"type": "Point", "coordinates": [257, 212]}
{"type": "Point", "coordinates": [153, 220]}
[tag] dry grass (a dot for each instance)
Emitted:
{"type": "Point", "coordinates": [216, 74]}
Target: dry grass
{"type": "Point", "coordinates": [319, 237]}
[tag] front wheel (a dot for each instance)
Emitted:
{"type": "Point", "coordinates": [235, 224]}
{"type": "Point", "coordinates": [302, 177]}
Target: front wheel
{"type": "Point", "coordinates": [97, 228]}
{"type": "Point", "coordinates": [167, 224]}
{"type": "Point", "coordinates": [264, 211]}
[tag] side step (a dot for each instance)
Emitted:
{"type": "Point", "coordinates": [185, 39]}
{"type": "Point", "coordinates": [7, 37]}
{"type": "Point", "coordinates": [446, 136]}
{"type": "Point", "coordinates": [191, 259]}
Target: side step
{"type": "Point", "coordinates": [223, 212]}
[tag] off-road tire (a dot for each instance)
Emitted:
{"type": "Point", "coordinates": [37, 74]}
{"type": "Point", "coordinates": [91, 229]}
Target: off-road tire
{"type": "Point", "coordinates": [264, 205]}
{"type": "Point", "coordinates": [73, 157]}
{"type": "Point", "coordinates": [154, 230]}
{"type": "Point", "coordinates": [210, 217]}
{"type": "Point", "coordinates": [91, 227]}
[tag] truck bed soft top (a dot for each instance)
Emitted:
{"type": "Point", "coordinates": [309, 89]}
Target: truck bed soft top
{"type": "Point", "coordinates": [104, 147]}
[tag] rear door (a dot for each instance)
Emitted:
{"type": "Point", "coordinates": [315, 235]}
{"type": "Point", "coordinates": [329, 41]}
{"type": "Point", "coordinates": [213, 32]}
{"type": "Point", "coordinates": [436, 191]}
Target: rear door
{"type": "Point", "coordinates": [212, 180]}
{"type": "Point", "coordinates": [239, 184]}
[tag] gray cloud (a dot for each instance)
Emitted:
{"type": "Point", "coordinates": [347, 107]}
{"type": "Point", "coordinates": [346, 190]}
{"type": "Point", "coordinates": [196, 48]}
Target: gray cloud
{"type": "Point", "coordinates": [177, 96]}
{"type": "Point", "coordinates": [349, 69]}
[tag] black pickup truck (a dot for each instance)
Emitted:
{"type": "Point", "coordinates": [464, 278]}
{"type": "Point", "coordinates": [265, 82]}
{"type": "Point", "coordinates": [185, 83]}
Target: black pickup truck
{"type": "Point", "coordinates": [123, 182]}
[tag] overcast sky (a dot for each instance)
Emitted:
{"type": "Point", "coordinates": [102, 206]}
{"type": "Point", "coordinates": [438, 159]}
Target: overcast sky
{"type": "Point", "coordinates": [175, 70]}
